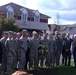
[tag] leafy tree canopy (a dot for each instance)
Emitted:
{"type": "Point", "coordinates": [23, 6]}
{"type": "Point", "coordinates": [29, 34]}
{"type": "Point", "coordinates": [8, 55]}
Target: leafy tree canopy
{"type": "Point", "coordinates": [8, 25]}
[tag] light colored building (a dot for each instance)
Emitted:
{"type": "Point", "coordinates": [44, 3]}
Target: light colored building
{"type": "Point", "coordinates": [53, 28]}
{"type": "Point", "coordinates": [71, 28]}
{"type": "Point", "coordinates": [25, 17]}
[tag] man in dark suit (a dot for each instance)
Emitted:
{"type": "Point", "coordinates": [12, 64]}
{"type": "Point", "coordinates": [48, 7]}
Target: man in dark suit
{"type": "Point", "coordinates": [27, 52]}
{"type": "Point", "coordinates": [1, 52]}
{"type": "Point", "coordinates": [58, 48]}
{"type": "Point", "coordinates": [74, 49]}
{"type": "Point", "coordinates": [62, 36]}
{"type": "Point", "coordinates": [68, 41]}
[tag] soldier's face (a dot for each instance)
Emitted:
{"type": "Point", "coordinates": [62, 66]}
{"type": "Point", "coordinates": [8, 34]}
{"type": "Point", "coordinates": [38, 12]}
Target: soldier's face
{"type": "Point", "coordinates": [10, 35]}
{"type": "Point", "coordinates": [75, 37]}
{"type": "Point", "coordinates": [45, 37]}
{"type": "Point", "coordinates": [61, 35]}
{"type": "Point", "coordinates": [56, 35]}
{"type": "Point", "coordinates": [18, 35]}
{"type": "Point", "coordinates": [68, 35]}
{"type": "Point", "coordinates": [50, 36]}
{"type": "Point", "coordinates": [24, 34]}
{"type": "Point", "coordinates": [27, 35]}
{"type": "Point", "coordinates": [6, 35]}
{"type": "Point", "coordinates": [35, 36]}
{"type": "Point", "coordinates": [14, 36]}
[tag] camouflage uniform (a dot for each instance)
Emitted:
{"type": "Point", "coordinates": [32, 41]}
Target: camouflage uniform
{"type": "Point", "coordinates": [16, 56]}
{"type": "Point", "coordinates": [3, 64]}
{"type": "Point", "coordinates": [10, 55]}
{"type": "Point", "coordinates": [51, 50]}
{"type": "Point", "coordinates": [34, 44]}
{"type": "Point", "coordinates": [22, 53]}
{"type": "Point", "coordinates": [45, 42]}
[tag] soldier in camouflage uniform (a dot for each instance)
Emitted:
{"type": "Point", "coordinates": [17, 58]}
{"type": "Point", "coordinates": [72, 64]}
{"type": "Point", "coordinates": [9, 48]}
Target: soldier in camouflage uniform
{"type": "Point", "coordinates": [18, 41]}
{"type": "Point", "coordinates": [45, 42]}
{"type": "Point", "coordinates": [4, 63]}
{"type": "Point", "coordinates": [16, 46]}
{"type": "Point", "coordinates": [51, 49]}
{"type": "Point", "coordinates": [23, 49]}
{"type": "Point", "coordinates": [34, 44]}
{"type": "Point", "coordinates": [10, 53]}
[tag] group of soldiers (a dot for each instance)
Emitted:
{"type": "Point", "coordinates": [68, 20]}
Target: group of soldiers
{"type": "Point", "coordinates": [22, 52]}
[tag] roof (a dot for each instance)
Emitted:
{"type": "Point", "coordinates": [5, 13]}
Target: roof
{"type": "Point", "coordinates": [17, 8]}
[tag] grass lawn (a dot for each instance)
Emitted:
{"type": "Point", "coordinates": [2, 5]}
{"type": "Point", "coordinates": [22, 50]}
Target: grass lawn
{"type": "Point", "coordinates": [65, 70]}
{"type": "Point", "coordinates": [59, 70]}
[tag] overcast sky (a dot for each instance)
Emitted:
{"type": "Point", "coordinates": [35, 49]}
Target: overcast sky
{"type": "Point", "coordinates": [65, 8]}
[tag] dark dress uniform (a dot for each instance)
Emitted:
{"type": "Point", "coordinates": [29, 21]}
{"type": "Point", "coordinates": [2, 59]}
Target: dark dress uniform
{"type": "Point", "coordinates": [74, 51]}
{"type": "Point", "coordinates": [68, 52]}
{"type": "Point", "coordinates": [63, 51]}
{"type": "Point", "coordinates": [1, 51]}
{"type": "Point", "coordinates": [27, 54]}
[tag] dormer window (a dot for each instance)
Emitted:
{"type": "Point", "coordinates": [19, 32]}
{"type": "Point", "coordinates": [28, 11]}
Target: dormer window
{"type": "Point", "coordinates": [24, 14]}
{"type": "Point", "coordinates": [37, 16]}
{"type": "Point", "coordinates": [10, 11]}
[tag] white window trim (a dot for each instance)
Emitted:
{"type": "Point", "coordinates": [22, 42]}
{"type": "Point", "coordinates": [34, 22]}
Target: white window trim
{"type": "Point", "coordinates": [10, 10]}
{"type": "Point", "coordinates": [24, 12]}
{"type": "Point", "coordinates": [37, 18]}
{"type": "Point", "coordinates": [10, 15]}
{"type": "Point", "coordinates": [37, 15]}
{"type": "Point", "coordinates": [25, 18]}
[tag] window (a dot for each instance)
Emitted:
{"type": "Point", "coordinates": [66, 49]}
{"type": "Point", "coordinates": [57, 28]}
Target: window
{"type": "Point", "coordinates": [37, 18]}
{"type": "Point", "coordinates": [70, 29]}
{"type": "Point", "coordinates": [24, 16]}
{"type": "Point", "coordinates": [9, 14]}
{"type": "Point", "coordinates": [10, 11]}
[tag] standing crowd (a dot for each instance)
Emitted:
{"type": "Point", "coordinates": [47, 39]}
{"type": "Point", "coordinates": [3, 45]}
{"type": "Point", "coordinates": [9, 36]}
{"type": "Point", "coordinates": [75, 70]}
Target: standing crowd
{"type": "Point", "coordinates": [19, 51]}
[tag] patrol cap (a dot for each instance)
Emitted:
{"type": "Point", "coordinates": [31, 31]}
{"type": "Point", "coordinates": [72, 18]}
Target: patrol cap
{"type": "Point", "coordinates": [24, 30]}
{"type": "Point", "coordinates": [74, 35]}
{"type": "Point", "coordinates": [34, 32]}
{"type": "Point", "coordinates": [10, 32]}
{"type": "Point", "coordinates": [6, 32]}
{"type": "Point", "coordinates": [18, 33]}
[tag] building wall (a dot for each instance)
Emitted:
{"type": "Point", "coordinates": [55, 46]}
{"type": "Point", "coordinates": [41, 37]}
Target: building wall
{"type": "Point", "coordinates": [32, 25]}
{"type": "Point", "coordinates": [18, 17]}
{"type": "Point", "coordinates": [71, 30]}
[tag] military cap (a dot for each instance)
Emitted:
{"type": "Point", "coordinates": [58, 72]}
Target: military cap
{"type": "Point", "coordinates": [18, 33]}
{"type": "Point", "coordinates": [34, 32]}
{"type": "Point", "coordinates": [10, 32]}
{"type": "Point", "coordinates": [24, 30]}
{"type": "Point", "coordinates": [6, 32]}
{"type": "Point", "coordinates": [74, 35]}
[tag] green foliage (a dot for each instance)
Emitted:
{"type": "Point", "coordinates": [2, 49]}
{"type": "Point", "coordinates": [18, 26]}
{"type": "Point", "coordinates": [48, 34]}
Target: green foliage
{"type": "Point", "coordinates": [8, 25]}
{"type": "Point", "coordinates": [43, 49]}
